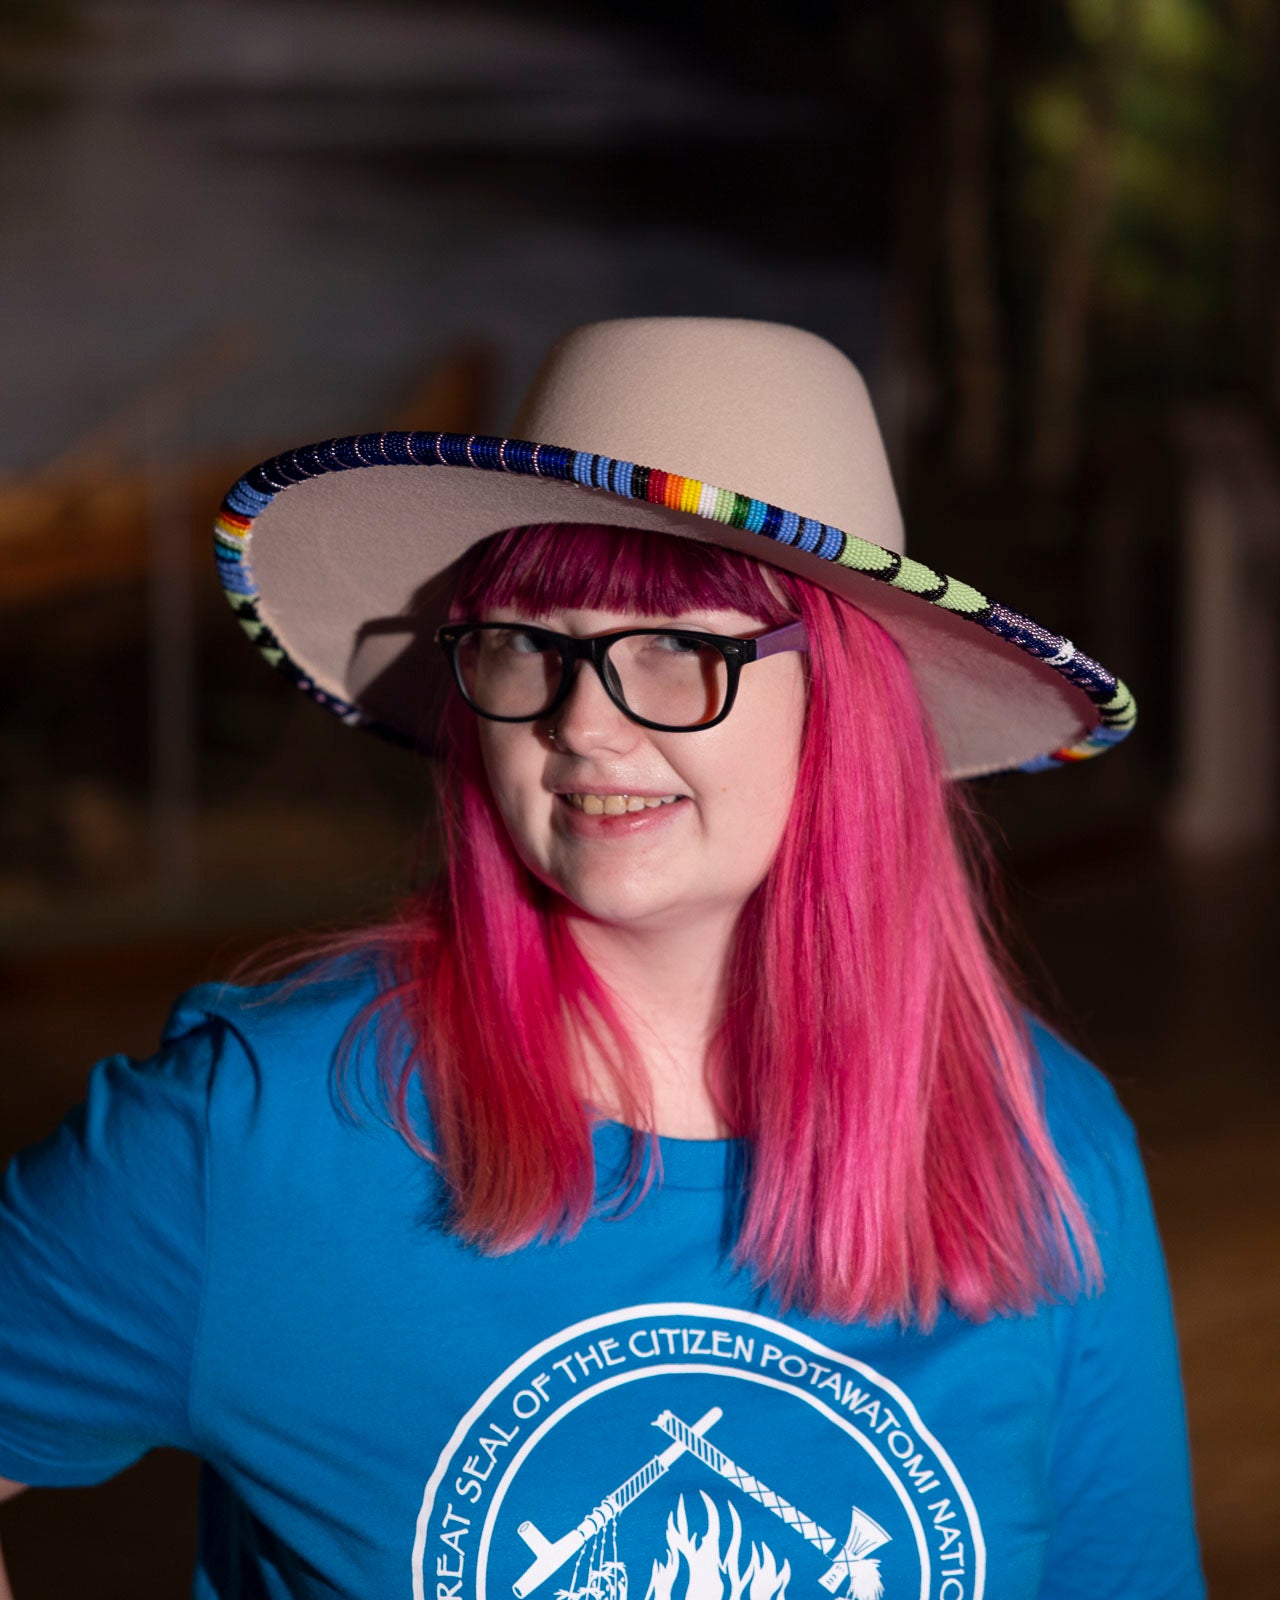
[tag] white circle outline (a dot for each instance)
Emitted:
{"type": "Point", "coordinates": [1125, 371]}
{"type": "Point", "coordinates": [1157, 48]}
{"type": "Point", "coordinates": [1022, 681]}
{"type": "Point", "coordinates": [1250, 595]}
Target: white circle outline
{"type": "Point", "coordinates": [720, 1371]}
{"type": "Point", "coordinates": [686, 1308]}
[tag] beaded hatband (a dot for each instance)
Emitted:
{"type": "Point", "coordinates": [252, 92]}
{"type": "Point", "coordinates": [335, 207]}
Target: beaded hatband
{"type": "Point", "coordinates": [255, 491]}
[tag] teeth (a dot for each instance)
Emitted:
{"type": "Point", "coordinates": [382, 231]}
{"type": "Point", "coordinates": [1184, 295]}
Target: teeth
{"type": "Point", "coordinates": [615, 805]}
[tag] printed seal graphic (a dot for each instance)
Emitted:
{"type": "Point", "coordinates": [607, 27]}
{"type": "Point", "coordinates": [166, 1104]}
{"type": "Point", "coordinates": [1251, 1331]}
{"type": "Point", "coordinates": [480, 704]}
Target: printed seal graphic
{"type": "Point", "coordinates": [689, 1452]}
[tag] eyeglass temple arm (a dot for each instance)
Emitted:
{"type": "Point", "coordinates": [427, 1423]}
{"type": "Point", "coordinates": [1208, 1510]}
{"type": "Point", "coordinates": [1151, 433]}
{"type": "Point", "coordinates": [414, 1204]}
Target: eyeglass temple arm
{"type": "Point", "coordinates": [791, 636]}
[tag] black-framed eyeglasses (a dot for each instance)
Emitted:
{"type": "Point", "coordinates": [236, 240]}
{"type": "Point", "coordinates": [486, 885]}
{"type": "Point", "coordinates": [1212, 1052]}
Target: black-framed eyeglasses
{"type": "Point", "coordinates": [675, 680]}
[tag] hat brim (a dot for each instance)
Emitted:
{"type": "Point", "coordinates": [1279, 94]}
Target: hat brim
{"type": "Point", "coordinates": [337, 558]}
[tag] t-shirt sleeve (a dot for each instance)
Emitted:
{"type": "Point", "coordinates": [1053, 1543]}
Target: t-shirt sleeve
{"type": "Point", "coordinates": [102, 1232]}
{"type": "Point", "coordinates": [1119, 1465]}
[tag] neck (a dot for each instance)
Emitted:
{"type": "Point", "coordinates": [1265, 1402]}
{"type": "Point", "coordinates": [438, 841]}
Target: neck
{"type": "Point", "coordinates": [669, 985]}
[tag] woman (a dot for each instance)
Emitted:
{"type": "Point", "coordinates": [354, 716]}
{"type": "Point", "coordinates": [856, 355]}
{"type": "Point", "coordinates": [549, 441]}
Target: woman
{"type": "Point", "coordinates": [726, 1227]}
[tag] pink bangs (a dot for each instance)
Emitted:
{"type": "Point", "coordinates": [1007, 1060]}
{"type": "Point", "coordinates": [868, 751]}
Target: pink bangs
{"type": "Point", "coordinates": [551, 567]}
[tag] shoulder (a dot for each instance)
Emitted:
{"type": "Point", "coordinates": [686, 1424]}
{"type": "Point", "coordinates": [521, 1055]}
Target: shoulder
{"type": "Point", "coordinates": [291, 1080]}
{"type": "Point", "coordinates": [1079, 1099]}
{"type": "Point", "coordinates": [311, 1011]}
{"type": "Point", "coordinates": [287, 1051]}
{"type": "Point", "coordinates": [1092, 1132]}
{"type": "Point", "coordinates": [1118, 1474]}
{"type": "Point", "coordinates": [228, 1053]}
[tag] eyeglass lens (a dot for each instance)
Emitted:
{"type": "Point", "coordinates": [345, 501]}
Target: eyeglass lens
{"type": "Point", "coordinates": [663, 677]}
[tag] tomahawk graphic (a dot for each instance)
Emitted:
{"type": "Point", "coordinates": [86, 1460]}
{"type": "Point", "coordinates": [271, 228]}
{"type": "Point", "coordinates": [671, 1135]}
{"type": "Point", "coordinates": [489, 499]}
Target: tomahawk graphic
{"type": "Point", "coordinates": [549, 1556]}
{"type": "Point", "coordinates": [865, 1534]}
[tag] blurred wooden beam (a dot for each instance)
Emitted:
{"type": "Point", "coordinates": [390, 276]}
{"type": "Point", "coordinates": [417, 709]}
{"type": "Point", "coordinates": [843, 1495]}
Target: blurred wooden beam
{"type": "Point", "coordinates": [82, 520]}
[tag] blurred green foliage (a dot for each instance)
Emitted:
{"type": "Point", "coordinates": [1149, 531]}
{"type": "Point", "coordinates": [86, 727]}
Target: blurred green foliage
{"type": "Point", "coordinates": [1187, 104]}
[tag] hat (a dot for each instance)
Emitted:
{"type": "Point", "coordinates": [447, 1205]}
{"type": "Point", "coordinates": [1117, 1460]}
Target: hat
{"type": "Point", "coordinates": [338, 557]}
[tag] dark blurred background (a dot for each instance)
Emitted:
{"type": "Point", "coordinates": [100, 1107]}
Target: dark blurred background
{"type": "Point", "coordinates": [1049, 234]}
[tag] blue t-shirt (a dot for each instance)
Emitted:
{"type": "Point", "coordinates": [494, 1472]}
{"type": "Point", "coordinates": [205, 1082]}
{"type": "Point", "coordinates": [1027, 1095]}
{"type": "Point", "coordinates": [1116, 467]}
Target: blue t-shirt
{"type": "Point", "coordinates": [215, 1253]}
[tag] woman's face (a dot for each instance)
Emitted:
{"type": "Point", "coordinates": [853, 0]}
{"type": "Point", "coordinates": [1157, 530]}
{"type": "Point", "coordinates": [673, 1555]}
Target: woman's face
{"type": "Point", "coordinates": [729, 787]}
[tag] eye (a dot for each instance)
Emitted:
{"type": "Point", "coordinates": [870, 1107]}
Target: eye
{"type": "Point", "coordinates": [677, 643]}
{"type": "Point", "coordinates": [513, 641]}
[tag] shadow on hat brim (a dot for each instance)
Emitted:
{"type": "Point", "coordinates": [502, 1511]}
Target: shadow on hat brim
{"type": "Point", "coordinates": [338, 559]}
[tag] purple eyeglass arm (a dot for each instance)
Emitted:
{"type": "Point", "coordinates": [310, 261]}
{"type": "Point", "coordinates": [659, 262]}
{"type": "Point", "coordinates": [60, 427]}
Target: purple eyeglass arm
{"type": "Point", "coordinates": [791, 636]}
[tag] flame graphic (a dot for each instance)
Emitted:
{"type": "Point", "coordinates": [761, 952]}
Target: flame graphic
{"type": "Point", "coordinates": [710, 1574]}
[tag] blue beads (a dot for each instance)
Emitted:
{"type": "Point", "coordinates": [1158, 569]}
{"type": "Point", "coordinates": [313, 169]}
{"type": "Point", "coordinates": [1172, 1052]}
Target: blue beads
{"type": "Point", "coordinates": [371, 449]}
{"type": "Point", "coordinates": [347, 452]}
{"type": "Point", "coordinates": [309, 461]}
{"type": "Point", "coordinates": [830, 544]}
{"type": "Point", "coordinates": [555, 462]}
{"type": "Point", "coordinates": [246, 500]}
{"type": "Point", "coordinates": [485, 451]}
{"type": "Point", "coordinates": [1009, 625]}
{"type": "Point", "coordinates": [1085, 673]}
{"type": "Point", "coordinates": [395, 449]}
{"type": "Point", "coordinates": [788, 527]}
{"type": "Point", "coordinates": [298, 466]}
{"type": "Point", "coordinates": [1027, 635]}
{"type": "Point", "coordinates": [1092, 678]}
{"type": "Point", "coordinates": [517, 455]}
{"type": "Point", "coordinates": [424, 449]}
{"type": "Point", "coordinates": [453, 449]}
{"type": "Point", "coordinates": [234, 576]}
{"type": "Point", "coordinates": [810, 534]}
{"type": "Point", "coordinates": [262, 479]}
{"type": "Point", "coordinates": [326, 454]}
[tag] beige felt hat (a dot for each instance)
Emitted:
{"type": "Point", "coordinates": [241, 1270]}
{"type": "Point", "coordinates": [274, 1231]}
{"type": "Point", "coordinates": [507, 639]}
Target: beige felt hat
{"type": "Point", "coordinates": [338, 556]}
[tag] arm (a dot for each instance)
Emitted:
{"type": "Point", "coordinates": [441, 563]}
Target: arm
{"type": "Point", "coordinates": [101, 1251]}
{"type": "Point", "coordinates": [1118, 1462]}
{"type": "Point", "coordinates": [7, 1491]}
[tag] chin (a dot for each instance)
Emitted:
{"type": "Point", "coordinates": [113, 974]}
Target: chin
{"type": "Point", "coordinates": [622, 904]}
{"type": "Point", "coordinates": [618, 910]}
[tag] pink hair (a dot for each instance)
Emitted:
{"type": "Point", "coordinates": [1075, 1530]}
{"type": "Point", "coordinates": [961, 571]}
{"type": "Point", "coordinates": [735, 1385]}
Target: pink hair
{"type": "Point", "coordinates": [871, 1051]}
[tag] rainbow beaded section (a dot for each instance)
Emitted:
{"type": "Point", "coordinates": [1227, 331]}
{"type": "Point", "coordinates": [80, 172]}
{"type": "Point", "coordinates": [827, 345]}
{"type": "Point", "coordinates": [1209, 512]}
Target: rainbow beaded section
{"type": "Point", "coordinates": [628, 480]}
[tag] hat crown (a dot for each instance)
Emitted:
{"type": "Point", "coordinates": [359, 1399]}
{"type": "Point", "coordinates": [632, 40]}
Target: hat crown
{"type": "Point", "coordinates": [768, 410]}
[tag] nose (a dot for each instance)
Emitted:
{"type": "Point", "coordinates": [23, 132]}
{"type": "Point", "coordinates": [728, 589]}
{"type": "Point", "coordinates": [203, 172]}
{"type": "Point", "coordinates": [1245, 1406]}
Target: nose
{"type": "Point", "coordinates": [588, 721]}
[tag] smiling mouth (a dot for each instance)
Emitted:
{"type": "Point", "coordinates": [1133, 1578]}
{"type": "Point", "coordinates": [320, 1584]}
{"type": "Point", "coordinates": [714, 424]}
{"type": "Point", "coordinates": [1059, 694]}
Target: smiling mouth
{"type": "Point", "coordinates": [617, 805]}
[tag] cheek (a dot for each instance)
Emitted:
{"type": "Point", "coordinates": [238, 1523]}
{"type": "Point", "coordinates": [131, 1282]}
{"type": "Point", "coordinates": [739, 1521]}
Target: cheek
{"type": "Point", "coordinates": [764, 764]}
{"type": "Point", "coordinates": [775, 779]}
{"type": "Point", "coordinates": [513, 768]}
{"type": "Point", "coordinates": [775, 739]}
